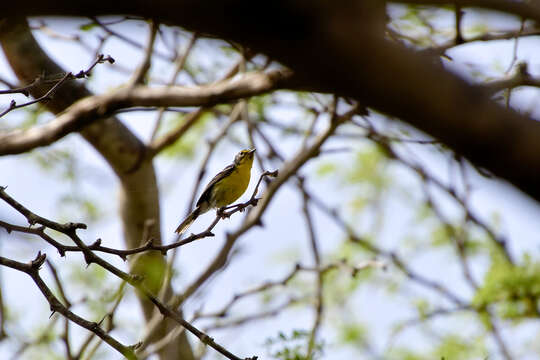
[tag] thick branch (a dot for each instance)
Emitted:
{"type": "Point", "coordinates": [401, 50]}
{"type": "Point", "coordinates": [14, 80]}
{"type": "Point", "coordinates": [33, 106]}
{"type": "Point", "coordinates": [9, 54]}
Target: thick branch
{"type": "Point", "coordinates": [93, 108]}
{"type": "Point", "coordinates": [349, 55]}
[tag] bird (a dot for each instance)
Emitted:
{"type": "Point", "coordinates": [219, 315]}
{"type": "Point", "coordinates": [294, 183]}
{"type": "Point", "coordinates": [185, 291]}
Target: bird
{"type": "Point", "coordinates": [224, 188]}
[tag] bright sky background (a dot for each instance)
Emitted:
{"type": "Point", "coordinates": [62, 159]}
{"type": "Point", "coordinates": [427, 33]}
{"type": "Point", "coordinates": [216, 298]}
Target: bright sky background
{"type": "Point", "coordinates": [267, 253]}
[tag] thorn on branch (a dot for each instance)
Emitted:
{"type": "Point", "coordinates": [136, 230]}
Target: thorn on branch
{"type": "Point", "coordinates": [136, 345]}
{"type": "Point", "coordinates": [88, 260]}
{"type": "Point", "coordinates": [38, 261]}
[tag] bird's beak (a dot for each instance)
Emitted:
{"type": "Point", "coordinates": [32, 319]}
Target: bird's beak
{"type": "Point", "coordinates": [251, 151]}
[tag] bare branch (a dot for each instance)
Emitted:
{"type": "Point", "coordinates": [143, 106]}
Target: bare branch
{"type": "Point", "coordinates": [93, 108]}
{"type": "Point", "coordinates": [272, 284]}
{"type": "Point", "coordinates": [521, 77]}
{"type": "Point", "coordinates": [21, 90]}
{"type": "Point", "coordinates": [256, 316]}
{"type": "Point", "coordinates": [13, 105]}
{"type": "Point", "coordinates": [142, 70]}
{"type": "Point", "coordinates": [57, 83]}
{"type": "Point", "coordinates": [109, 325]}
{"type": "Point", "coordinates": [319, 306]}
{"type": "Point", "coordinates": [394, 257]}
{"type": "Point", "coordinates": [32, 269]}
{"type": "Point", "coordinates": [59, 285]}
{"type": "Point", "coordinates": [70, 230]}
{"type": "Point", "coordinates": [471, 123]}
{"type": "Point", "coordinates": [109, 31]}
{"type": "Point", "coordinates": [149, 245]}
{"type": "Point", "coordinates": [499, 241]}
{"type": "Point", "coordinates": [179, 65]}
{"type": "Point", "coordinates": [254, 217]}
{"type": "Point", "coordinates": [171, 137]}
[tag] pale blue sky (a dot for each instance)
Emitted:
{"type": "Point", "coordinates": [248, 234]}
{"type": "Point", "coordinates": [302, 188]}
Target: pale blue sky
{"type": "Point", "coordinates": [263, 252]}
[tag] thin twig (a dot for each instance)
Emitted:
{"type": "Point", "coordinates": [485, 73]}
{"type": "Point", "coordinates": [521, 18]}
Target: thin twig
{"type": "Point", "coordinates": [59, 285]}
{"type": "Point", "coordinates": [108, 327]}
{"type": "Point", "coordinates": [179, 65]}
{"type": "Point", "coordinates": [127, 40]}
{"type": "Point", "coordinates": [319, 305]}
{"type": "Point", "coordinates": [70, 230]}
{"type": "Point", "coordinates": [142, 70]}
{"type": "Point", "coordinates": [49, 94]}
{"type": "Point", "coordinates": [32, 269]}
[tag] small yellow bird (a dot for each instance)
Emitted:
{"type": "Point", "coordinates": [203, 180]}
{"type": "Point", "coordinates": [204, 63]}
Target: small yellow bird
{"type": "Point", "coordinates": [227, 186]}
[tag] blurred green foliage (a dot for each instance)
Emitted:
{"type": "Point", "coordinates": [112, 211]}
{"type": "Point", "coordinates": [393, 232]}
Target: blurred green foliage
{"type": "Point", "coordinates": [514, 289]}
{"type": "Point", "coordinates": [366, 176]}
{"type": "Point", "coordinates": [293, 346]}
{"type": "Point", "coordinates": [192, 141]}
{"type": "Point", "coordinates": [353, 333]}
{"type": "Point", "coordinates": [458, 347]}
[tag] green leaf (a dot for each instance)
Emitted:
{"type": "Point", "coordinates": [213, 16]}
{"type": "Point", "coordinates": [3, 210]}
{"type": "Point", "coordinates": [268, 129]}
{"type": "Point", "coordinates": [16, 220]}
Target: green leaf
{"type": "Point", "coordinates": [326, 169]}
{"type": "Point", "coordinates": [87, 26]}
{"type": "Point", "coordinates": [353, 334]}
{"type": "Point", "coordinates": [515, 289]}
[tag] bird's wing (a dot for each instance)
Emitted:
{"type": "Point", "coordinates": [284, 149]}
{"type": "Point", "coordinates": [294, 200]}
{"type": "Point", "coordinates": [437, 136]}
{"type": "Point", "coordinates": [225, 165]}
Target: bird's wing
{"type": "Point", "coordinates": [208, 189]}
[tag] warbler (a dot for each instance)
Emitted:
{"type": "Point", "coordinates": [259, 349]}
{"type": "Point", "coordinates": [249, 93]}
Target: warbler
{"type": "Point", "coordinates": [224, 188]}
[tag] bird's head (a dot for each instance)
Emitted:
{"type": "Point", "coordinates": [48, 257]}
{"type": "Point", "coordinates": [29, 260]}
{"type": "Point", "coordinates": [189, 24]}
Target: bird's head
{"type": "Point", "coordinates": [243, 156]}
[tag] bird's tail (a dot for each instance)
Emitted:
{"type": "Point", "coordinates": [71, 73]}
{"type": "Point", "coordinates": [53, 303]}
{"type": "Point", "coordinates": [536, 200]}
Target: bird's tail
{"type": "Point", "coordinates": [188, 221]}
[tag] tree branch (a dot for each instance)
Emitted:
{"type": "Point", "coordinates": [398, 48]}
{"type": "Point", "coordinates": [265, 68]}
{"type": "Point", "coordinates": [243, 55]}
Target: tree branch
{"type": "Point", "coordinates": [70, 230]}
{"type": "Point", "coordinates": [32, 269]}
{"type": "Point", "coordinates": [93, 108]}
{"type": "Point", "coordinates": [142, 70]}
{"type": "Point", "coordinates": [123, 151]}
{"type": "Point", "coordinates": [459, 114]}
{"type": "Point", "coordinates": [150, 245]}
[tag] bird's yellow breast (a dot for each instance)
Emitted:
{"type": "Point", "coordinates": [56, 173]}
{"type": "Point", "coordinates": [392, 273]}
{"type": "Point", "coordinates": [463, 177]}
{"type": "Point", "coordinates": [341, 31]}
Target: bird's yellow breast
{"type": "Point", "coordinates": [230, 188]}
